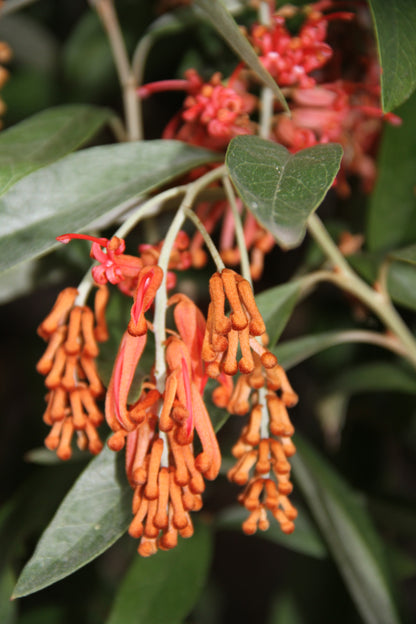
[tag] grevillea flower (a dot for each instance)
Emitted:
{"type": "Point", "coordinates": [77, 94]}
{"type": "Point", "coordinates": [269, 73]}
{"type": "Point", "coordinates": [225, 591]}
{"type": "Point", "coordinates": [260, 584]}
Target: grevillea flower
{"type": "Point", "coordinates": [264, 446]}
{"type": "Point", "coordinates": [212, 113]}
{"type": "Point", "coordinates": [225, 334]}
{"type": "Point", "coordinates": [158, 432]}
{"type": "Point", "coordinates": [68, 363]}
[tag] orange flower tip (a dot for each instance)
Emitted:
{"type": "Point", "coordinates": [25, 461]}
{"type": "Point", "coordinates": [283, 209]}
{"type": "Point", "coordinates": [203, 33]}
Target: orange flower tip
{"type": "Point", "coordinates": [287, 527]}
{"type": "Point", "coordinates": [285, 488]}
{"type": "Point", "coordinates": [289, 398]}
{"type": "Point", "coordinates": [268, 360]}
{"type": "Point", "coordinates": [116, 441]}
{"type": "Point", "coordinates": [147, 548]}
{"type": "Point", "coordinates": [187, 531]}
{"type": "Point", "coordinates": [136, 529]}
{"type": "Point", "coordinates": [168, 540]}
{"type": "Point", "coordinates": [257, 327]}
{"type": "Point", "coordinates": [264, 525]}
{"type": "Point", "coordinates": [230, 368]}
{"type": "Point", "coordinates": [139, 476]}
{"type": "Point", "coordinates": [213, 370]}
{"type": "Point", "coordinates": [151, 491]}
{"type": "Point", "coordinates": [282, 467]}
{"type": "Point", "coordinates": [238, 322]}
{"type": "Point", "coordinates": [95, 447]}
{"type": "Point", "coordinates": [64, 453]}
{"type": "Point", "coordinates": [137, 329]}
{"type": "Point", "coordinates": [249, 527]}
{"type": "Point", "coordinates": [245, 366]}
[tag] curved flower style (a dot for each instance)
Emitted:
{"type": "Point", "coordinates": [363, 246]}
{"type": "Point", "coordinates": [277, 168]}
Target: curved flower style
{"type": "Point", "coordinates": [68, 363]}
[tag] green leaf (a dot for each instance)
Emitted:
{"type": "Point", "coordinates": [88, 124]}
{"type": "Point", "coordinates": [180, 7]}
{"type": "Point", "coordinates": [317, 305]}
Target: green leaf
{"type": "Point", "coordinates": [305, 539]}
{"type": "Point", "coordinates": [292, 352]}
{"type": "Point", "coordinates": [350, 535]}
{"type": "Point", "coordinates": [401, 284]}
{"type": "Point", "coordinates": [223, 21]}
{"type": "Point", "coordinates": [8, 610]}
{"type": "Point", "coordinates": [46, 137]}
{"type": "Point", "coordinates": [163, 589]}
{"type": "Point", "coordinates": [93, 515]}
{"type": "Point", "coordinates": [392, 205]}
{"type": "Point", "coordinates": [376, 377]}
{"type": "Point", "coordinates": [395, 24]}
{"type": "Point", "coordinates": [69, 195]}
{"type": "Point", "coordinates": [407, 254]}
{"type": "Point", "coordinates": [284, 610]}
{"type": "Point", "coordinates": [276, 305]}
{"type": "Point", "coordinates": [282, 189]}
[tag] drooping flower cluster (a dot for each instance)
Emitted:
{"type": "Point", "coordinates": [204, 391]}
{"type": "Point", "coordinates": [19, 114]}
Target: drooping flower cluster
{"type": "Point", "coordinates": [5, 57]}
{"type": "Point", "coordinates": [73, 384]}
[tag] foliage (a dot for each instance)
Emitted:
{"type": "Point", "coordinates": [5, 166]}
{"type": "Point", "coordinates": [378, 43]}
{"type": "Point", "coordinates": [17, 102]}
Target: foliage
{"type": "Point", "coordinates": [202, 152]}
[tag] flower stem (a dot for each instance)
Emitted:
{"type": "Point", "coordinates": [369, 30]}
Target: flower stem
{"type": "Point", "coordinates": [239, 232]}
{"type": "Point", "coordinates": [108, 16]}
{"type": "Point", "coordinates": [345, 278]}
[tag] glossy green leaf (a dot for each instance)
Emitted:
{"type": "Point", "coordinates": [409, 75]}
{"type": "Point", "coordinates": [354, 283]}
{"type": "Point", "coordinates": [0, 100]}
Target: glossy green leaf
{"type": "Point", "coordinates": [376, 377]}
{"type": "Point", "coordinates": [392, 205]}
{"type": "Point", "coordinates": [350, 535]}
{"type": "Point", "coordinates": [282, 189]}
{"type": "Point", "coordinates": [305, 539]}
{"type": "Point", "coordinates": [401, 284]}
{"type": "Point", "coordinates": [395, 24]}
{"type": "Point", "coordinates": [276, 305]}
{"type": "Point", "coordinates": [46, 137]}
{"type": "Point", "coordinates": [223, 21]}
{"type": "Point", "coordinates": [407, 254]}
{"type": "Point", "coordinates": [163, 589]}
{"type": "Point", "coordinates": [71, 194]}
{"type": "Point", "coordinates": [93, 515]}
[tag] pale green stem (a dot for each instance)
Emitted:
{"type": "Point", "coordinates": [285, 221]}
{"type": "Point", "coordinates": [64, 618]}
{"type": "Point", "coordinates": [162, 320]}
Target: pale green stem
{"type": "Point", "coordinates": [108, 16]}
{"type": "Point", "coordinates": [159, 321]}
{"type": "Point", "coordinates": [265, 418]}
{"type": "Point", "coordinates": [239, 232]}
{"type": "Point", "coordinates": [207, 238]}
{"type": "Point", "coordinates": [137, 68]}
{"type": "Point", "coordinates": [346, 279]}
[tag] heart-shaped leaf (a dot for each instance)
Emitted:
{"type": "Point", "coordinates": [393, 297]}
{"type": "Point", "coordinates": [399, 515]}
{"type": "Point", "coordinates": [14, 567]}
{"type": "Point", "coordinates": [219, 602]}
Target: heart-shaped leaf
{"type": "Point", "coordinates": [395, 24]}
{"type": "Point", "coordinates": [70, 194]}
{"type": "Point", "coordinates": [349, 532]}
{"type": "Point", "coordinates": [45, 137]}
{"type": "Point", "coordinates": [93, 515]}
{"type": "Point", "coordinates": [163, 589]}
{"type": "Point", "coordinates": [224, 22]}
{"type": "Point", "coordinates": [282, 189]}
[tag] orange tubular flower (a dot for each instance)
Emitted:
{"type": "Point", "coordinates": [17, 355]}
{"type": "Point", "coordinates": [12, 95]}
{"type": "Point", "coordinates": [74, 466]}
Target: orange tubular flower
{"type": "Point", "coordinates": [264, 446]}
{"type": "Point", "coordinates": [158, 431]}
{"type": "Point", "coordinates": [224, 334]}
{"type": "Point", "coordinates": [68, 363]}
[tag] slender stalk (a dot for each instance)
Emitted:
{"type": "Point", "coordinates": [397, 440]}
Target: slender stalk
{"type": "Point", "coordinates": [108, 16]}
{"type": "Point", "coordinates": [345, 278]}
{"type": "Point", "coordinates": [239, 232]}
{"type": "Point", "coordinates": [207, 238]}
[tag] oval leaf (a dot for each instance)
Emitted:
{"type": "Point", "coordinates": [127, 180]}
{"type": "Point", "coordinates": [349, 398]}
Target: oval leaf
{"type": "Point", "coordinates": [350, 535]}
{"type": "Point", "coordinates": [395, 24]}
{"type": "Point", "coordinates": [408, 254]}
{"type": "Point", "coordinates": [276, 305]}
{"type": "Point", "coordinates": [224, 22]}
{"type": "Point", "coordinates": [280, 188]}
{"type": "Point", "coordinates": [376, 377]}
{"type": "Point", "coordinates": [163, 589]}
{"type": "Point", "coordinates": [392, 205]}
{"type": "Point", "coordinates": [46, 137]}
{"type": "Point", "coordinates": [93, 515]}
{"type": "Point", "coordinates": [70, 194]}
{"type": "Point", "coordinates": [305, 539]}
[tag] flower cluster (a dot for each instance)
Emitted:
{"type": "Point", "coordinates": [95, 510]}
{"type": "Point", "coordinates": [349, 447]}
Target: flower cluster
{"type": "Point", "coordinates": [73, 384]}
{"type": "Point", "coordinates": [5, 57]}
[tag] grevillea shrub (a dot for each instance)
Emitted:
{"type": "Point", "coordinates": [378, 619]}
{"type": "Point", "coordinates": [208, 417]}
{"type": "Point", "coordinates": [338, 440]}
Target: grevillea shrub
{"type": "Point", "coordinates": [207, 210]}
